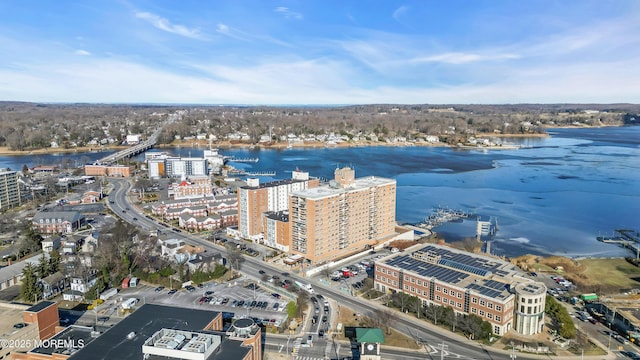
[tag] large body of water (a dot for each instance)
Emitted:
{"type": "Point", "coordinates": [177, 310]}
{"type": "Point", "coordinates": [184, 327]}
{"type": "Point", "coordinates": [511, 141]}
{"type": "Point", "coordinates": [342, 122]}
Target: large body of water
{"type": "Point", "coordinates": [553, 197]}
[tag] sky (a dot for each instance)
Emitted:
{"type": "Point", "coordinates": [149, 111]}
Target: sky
{"type": "Point", "coordinates": [330, 52]}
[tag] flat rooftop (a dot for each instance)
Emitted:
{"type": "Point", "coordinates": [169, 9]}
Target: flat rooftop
{"type": "Point", "coordinates": [11, 314]}
{"type": "Point", "coordinates": [357, 185]}
{"type": "Point", "coordinates": [144, 322]}
{"type": "Point", "coordinates": [40, 306]}
{"type": "Point", "coordinates": [273, 184]}
{"type": "Point", "coordinates": [67, 342]}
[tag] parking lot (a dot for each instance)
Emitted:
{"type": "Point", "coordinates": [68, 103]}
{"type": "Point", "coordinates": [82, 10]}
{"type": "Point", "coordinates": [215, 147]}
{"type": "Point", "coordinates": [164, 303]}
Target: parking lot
{"type": "Point", "coordinates": [243, 301]}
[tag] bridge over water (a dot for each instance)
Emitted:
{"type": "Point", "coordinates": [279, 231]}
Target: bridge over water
{"type": "Point", "coordinates": [132, 151]}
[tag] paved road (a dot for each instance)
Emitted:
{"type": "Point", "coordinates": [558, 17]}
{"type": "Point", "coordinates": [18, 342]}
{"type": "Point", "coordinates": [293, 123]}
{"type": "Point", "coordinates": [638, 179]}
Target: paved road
{"type": "Point", "coordinates": [455, 346]}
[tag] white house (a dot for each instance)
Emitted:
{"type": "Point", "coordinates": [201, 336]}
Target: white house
{"type": "Point", "coordinates": [171, 247]}
{"type": "Point", "coordinates": [51, 243]}
{"type": "Point", "coordinates": [133, 139]}
{"type": "Point", "coordinates": [83, 284]}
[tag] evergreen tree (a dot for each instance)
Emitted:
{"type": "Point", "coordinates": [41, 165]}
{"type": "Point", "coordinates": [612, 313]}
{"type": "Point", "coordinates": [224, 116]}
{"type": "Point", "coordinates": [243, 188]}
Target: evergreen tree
{"type": "Point", "coordinates": [54, 261]}
{"type": "Point", "coordinates": [43, 267]}
{"type": "Point", "coordinates": [29, 290]}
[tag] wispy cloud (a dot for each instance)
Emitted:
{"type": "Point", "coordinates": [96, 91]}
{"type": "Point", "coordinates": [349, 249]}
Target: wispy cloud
{"type": "Point", "coordinates": [287, 13]}
{"type": "Point", "coordinates": [166, 25]}
{"type": "Point", "coordinates": [82, 52]}
{"type": "Point", "coordinates": [463, 58]}
{"type": "Point", "coordinates": [399, 12]}
{"type": "Point", "coordinates": [226, 30]}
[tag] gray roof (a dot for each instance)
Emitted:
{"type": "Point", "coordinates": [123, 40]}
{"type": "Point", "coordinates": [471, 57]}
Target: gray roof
{"type": "Point", "coordinates": [13, 270]}
{"type": "Point", "coordinates": [144, 322]}
{"type": "Point", "coordinates": [71, 216]}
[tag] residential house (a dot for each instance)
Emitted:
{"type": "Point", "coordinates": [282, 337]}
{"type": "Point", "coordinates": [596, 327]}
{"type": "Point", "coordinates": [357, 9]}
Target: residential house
{"type": "Point", "coordinates": [51, 243]}
{"type": "Point", "coordinates": [52, 285]}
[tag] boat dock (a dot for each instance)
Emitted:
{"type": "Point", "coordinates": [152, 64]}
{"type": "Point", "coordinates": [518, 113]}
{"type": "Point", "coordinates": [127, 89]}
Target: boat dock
{"type": "Point", "coordinates": [629, 239]}
{"type": "Point", "coordinates": [442, 215]}
{"type": "Point", "coordinates": [252, 173]}
{"type": "Point", "coordinates": [242, 160]}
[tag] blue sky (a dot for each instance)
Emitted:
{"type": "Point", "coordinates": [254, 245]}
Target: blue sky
{"type": "Point", "coordinates": [320, 52]}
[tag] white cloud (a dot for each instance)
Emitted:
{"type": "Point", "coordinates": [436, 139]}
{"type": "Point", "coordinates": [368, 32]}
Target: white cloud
{"type": "Point", "coordinates": [82, 52]}
{"type": "Point", "coordinates": [284, 11]}
{"type": "Point", "coordinates": [166, 25]}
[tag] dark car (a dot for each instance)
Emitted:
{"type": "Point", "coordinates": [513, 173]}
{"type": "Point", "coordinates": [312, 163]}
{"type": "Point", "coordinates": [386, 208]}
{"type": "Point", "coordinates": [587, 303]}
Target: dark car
{"type": "Point", "coordinates": [285, 274]}
{"type": "Point", "coordinates": [190, 288]}
{"type": "Point", "coordinates": [275, 295]}
{"type": "Point", "coordinates": [172, 291]}
{"type": "Point", "coordinates": [210, 292]}
{"type": "Point", "coordinates": [159, 288]}
{"type": "Point", "coordinates": [262, 272]}
{"type": "Point", "coordinates": [103, 318]}
{"type": "Point", "coordinates": [135, 219]}
{"type": "Point", "coordinates": [321, 333]}
{"type": "Point", "coordinates": [324, 319]}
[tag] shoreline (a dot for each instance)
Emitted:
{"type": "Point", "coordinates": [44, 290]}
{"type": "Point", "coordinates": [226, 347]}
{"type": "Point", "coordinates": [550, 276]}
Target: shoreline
{"type": "Point", "coordinates": [4, 150]}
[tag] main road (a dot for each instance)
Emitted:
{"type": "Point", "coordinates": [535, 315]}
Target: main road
{"type": "Point", "coordinates": [436, 341]}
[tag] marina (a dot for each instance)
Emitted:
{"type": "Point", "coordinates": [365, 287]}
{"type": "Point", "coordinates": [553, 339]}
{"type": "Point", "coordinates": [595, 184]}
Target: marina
{"type": "Point", "coordinates": [442, 215]}
{"type": "Point", "coordinates": [241, 160]}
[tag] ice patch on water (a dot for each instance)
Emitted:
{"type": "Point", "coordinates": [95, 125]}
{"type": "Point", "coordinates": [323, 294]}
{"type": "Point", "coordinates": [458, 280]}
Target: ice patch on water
{"type": "Point", "coordinates": [521, 240]}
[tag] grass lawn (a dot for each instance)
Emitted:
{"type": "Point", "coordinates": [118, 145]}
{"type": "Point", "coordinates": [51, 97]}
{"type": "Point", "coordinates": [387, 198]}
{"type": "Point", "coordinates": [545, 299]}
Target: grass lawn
{"type": "Point", "coordinates": [619, 273]}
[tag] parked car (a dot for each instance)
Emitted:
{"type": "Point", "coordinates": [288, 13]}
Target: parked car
{"type": "Point", "coordinates": [172, 291]}
{"type": "Point", "coordinates": [159, 288]}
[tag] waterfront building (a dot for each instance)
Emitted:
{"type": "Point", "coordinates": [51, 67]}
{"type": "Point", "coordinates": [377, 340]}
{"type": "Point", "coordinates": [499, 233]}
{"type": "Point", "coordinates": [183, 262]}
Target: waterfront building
{"type": "Point", "coordinates": [490, 288]}
{"type": "Point", "coordinates": [183, 167]}
{"type": "Point", "coordinates": [255, 199]}
{"type": "Point", "coordinates": [57, 222]}
{"type": "Point", "coordinates": [9, 189]}
{"type": "Point", "coordinates": [156, 168]}
{"type": "Point", "coordinates": [344, 217]}
{"type": "Point", "coordinates": [109, 170]}
{"type": "Point", "coordinates": [277, 230]}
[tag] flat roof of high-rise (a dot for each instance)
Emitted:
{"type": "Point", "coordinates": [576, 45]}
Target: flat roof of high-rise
{"type": "Point", "coordinates": [329, 190]}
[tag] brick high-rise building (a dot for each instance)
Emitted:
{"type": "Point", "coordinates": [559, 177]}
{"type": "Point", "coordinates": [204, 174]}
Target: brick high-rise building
{"type": "Point", "coordinates": [9, 189]}
{"type": "Point", "coordinates": [255, 199]}
{"type": "Point", "coordinates": [344, 217]}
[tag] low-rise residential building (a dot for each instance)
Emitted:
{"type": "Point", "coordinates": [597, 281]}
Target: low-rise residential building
{"type": "Point", "coordinates": [109, 170]}
{"type": "Point", "coordinates": [57, 222]}
{"type": "Point", "coordinates": [490, 288]}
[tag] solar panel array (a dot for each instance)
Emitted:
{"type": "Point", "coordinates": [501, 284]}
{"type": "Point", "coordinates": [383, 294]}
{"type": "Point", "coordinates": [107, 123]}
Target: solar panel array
{"type": "Point", "coordinates": [464, 267]}
{"type": "Point", "coordinates": [422, 268]}
{"type": "Point", "coordinates": [490, 288]}
{"type": "Point", "coordinates": [490, 265]}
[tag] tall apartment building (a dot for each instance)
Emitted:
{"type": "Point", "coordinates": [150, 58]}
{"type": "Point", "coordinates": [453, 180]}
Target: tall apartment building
{"type": "Point", "coordinates": [9, 189]}
{"type": "Point", "coordinates": [344, 217]}
{"type": "Point", "coordinates": [255, 199]}
{"type": "Point", "coordinates": [490, 288]}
